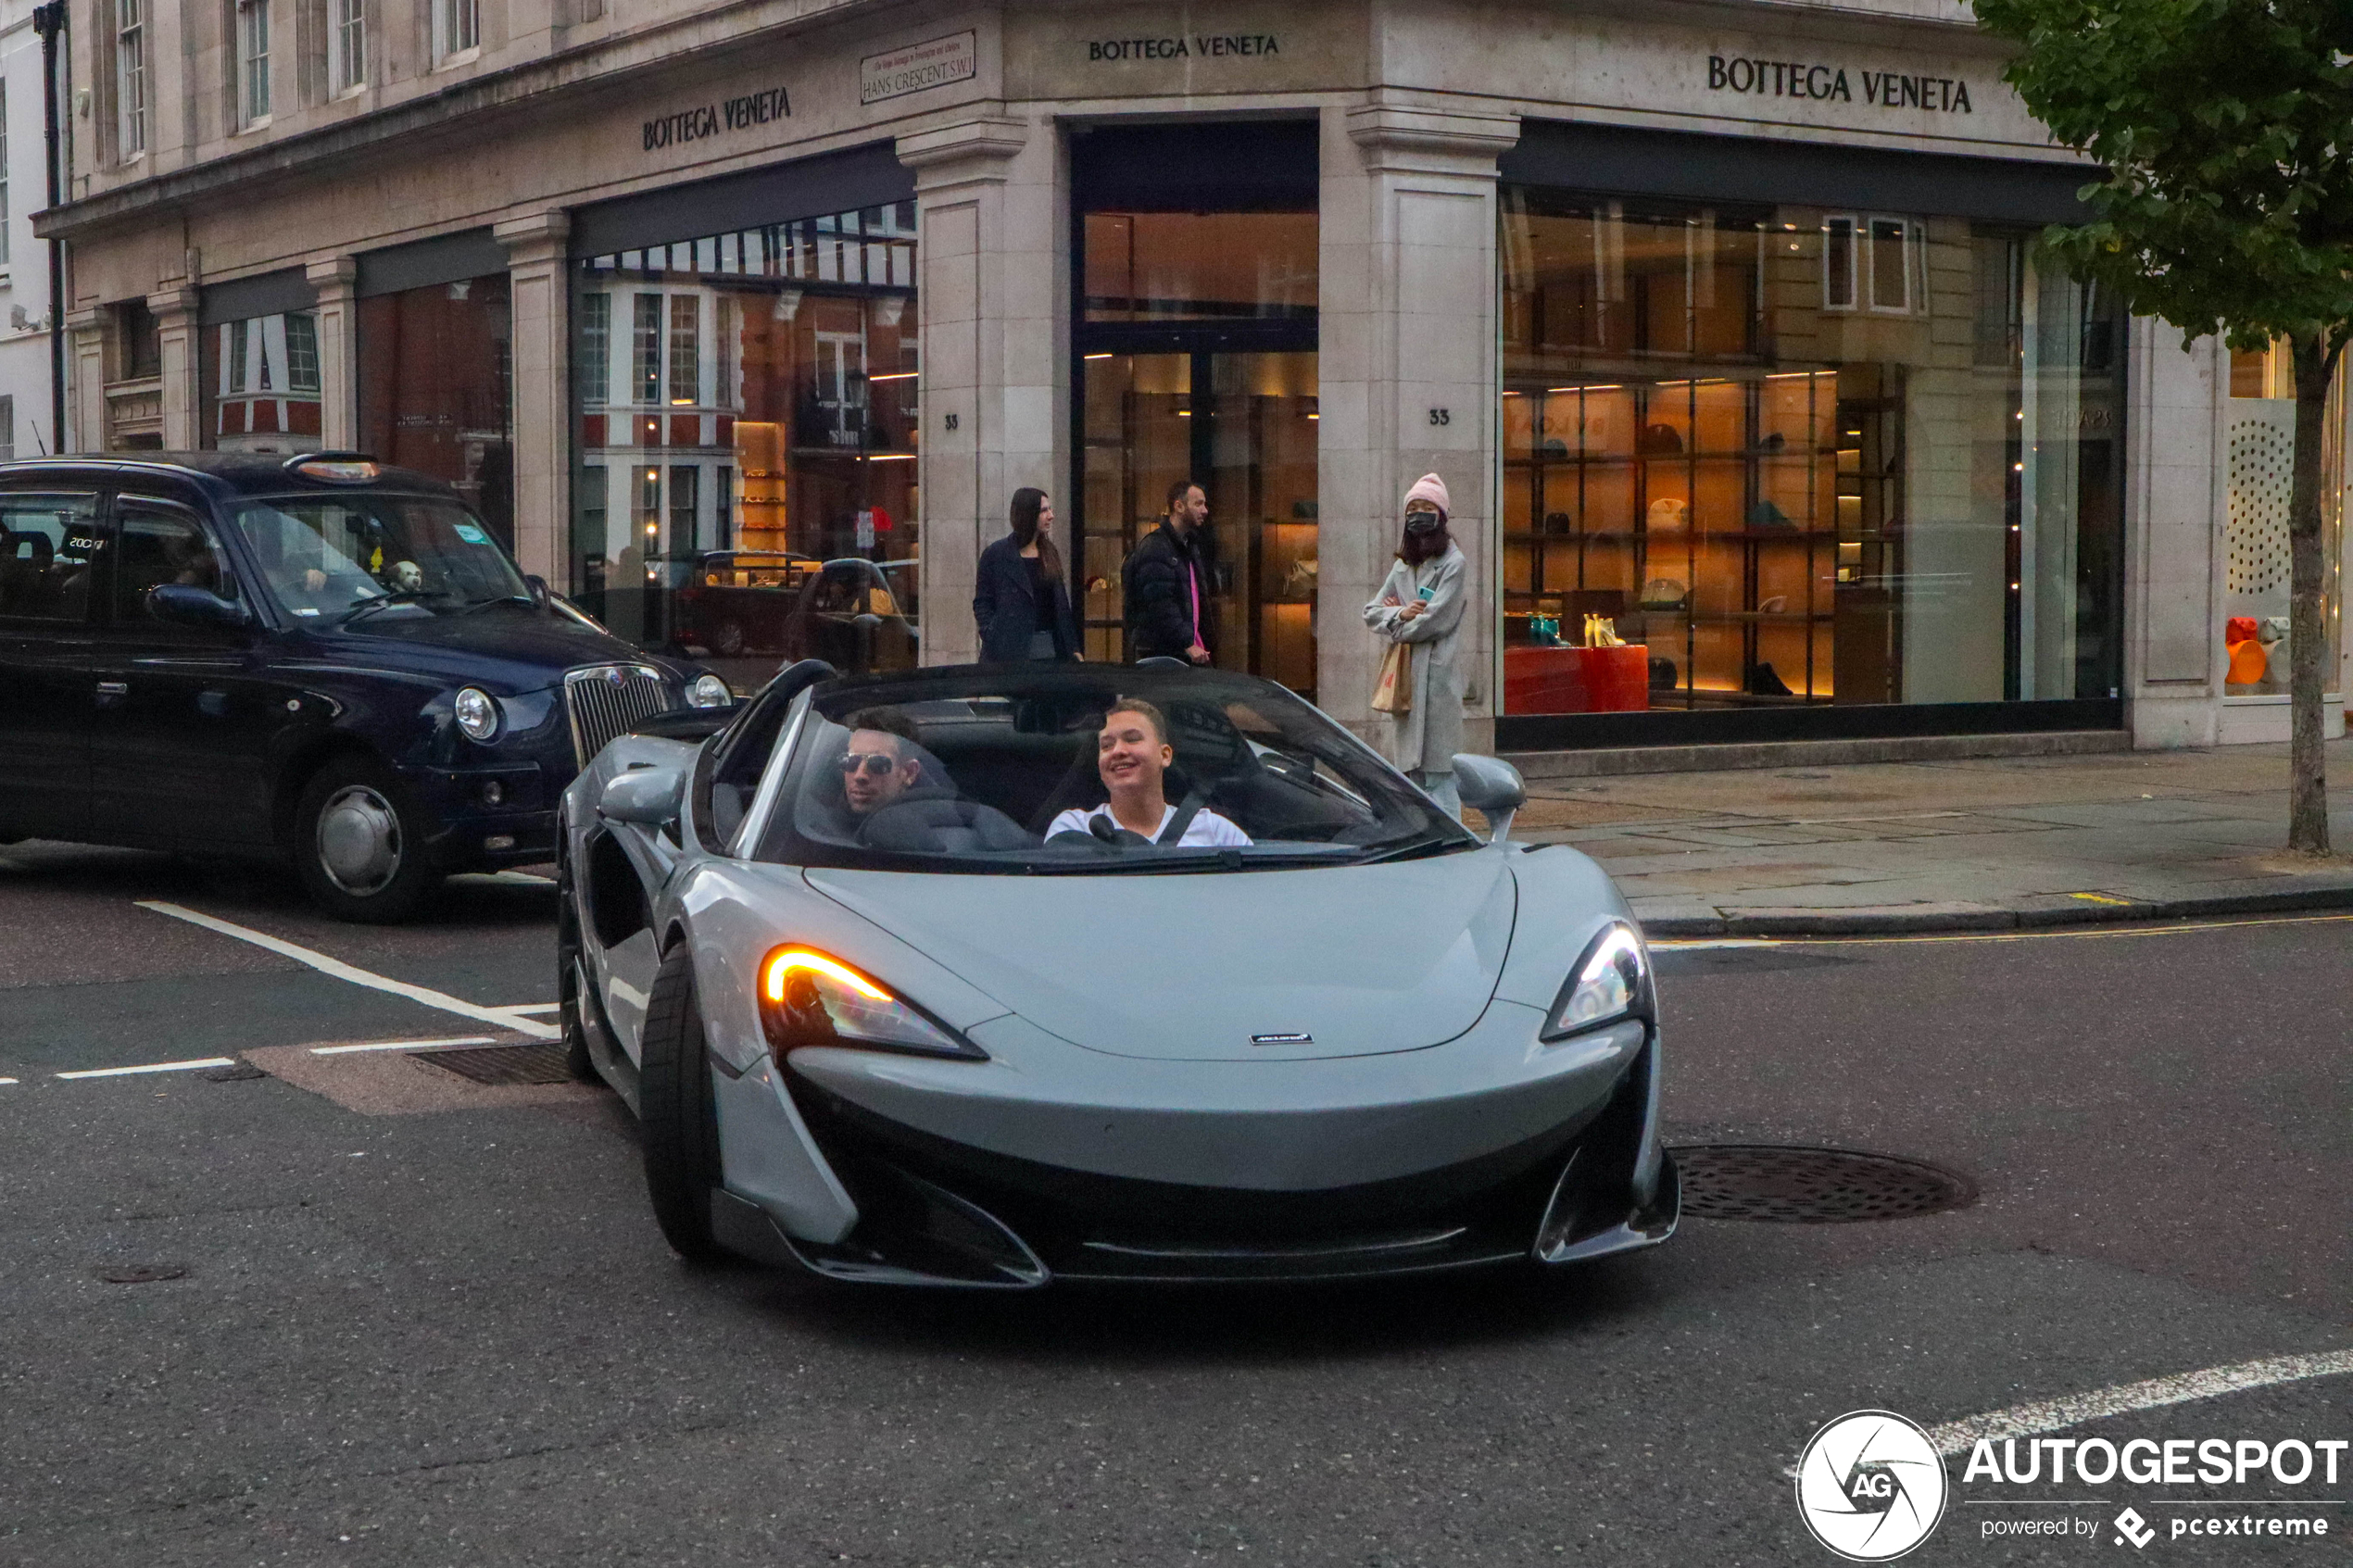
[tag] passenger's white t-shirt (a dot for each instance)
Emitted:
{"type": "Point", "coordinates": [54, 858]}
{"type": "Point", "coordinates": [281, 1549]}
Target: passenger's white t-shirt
{"type": "Point", "coordinates": [1207, 830]}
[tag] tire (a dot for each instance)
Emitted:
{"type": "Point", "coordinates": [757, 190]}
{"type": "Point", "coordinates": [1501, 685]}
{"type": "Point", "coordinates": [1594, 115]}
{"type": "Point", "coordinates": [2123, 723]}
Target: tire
{"type": "Point", "coordinates": [568, 968]}
{"type": "Point", "coordinates": [681, 1124]}
{"type": "Point", "coordinates": [359, 843]}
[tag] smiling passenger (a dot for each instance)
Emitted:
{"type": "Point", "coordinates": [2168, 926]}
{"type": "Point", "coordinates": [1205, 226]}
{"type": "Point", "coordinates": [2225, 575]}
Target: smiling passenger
{"type": "Point", "coordinates": [1132, 754]}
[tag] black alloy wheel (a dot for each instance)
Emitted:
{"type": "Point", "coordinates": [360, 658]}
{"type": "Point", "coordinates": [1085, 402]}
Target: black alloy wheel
{"type": "Point", "coordinates": [570, 999]}
{"type": "Point", "coordinates": [358, 844]}
{"type": "Point", "coordinates": [680, 1122]}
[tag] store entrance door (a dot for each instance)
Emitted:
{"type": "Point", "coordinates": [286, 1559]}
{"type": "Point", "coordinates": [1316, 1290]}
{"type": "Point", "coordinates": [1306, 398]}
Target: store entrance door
{"type": "Point", "coordinates": [1242, 425]}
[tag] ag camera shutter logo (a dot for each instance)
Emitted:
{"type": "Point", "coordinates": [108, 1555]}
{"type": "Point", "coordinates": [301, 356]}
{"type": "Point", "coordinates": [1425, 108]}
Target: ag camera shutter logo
{"type": "Point", "coordinates": [1870, 1486]}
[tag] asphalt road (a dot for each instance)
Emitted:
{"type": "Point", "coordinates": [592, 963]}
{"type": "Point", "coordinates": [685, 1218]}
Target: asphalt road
{"type": "Point", "coordinates": [414, 1336]}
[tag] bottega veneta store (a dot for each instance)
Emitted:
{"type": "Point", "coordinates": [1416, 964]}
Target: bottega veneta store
{"type": "Point", "coordinates": [1762, 414]}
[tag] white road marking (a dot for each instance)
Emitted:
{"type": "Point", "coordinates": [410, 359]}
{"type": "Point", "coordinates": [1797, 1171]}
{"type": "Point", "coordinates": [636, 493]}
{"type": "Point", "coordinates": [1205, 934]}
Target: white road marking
{"type": "Point", "coordinates": [150, 1067]}
{"type": "Point", "coordinates": [402, 1046]}
{"type": "Point", "coordinates": [535, 1007]}
{"type": "Point", "coordinates": [6, 1080]}
{"type": "Point", "coordinates": [1715, 942]}
{"type": "Point", "coordinates": [503, 1017]}
{"type": "Point", "coordinates": [2053, 1415]}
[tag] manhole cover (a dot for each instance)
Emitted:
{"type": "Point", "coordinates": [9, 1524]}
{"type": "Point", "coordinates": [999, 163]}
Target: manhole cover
{"type": "Point", "coordinates": [1812, 1185]}
{"type": "Point", "coordinates": [504, 1064]}
{"type": "Point", "coordinates": [140, 1274]}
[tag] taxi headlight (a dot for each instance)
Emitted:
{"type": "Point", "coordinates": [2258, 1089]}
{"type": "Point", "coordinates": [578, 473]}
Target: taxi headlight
{"type": "Point", "coordinates": [709, 691]}
{"type": "Point", "coordinates": [477, 713]}
{"type": "Point", "coordinates": [1611, 983]}
{"type": "Point", "coordinates": [810, 998]}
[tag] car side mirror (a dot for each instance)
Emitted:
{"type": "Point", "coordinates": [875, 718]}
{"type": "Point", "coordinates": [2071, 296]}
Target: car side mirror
{"type": "Point", "coordinates": [184, 604]}
{"type": "Point", "coordinates": [538, 586]}
{"type": "Point", "coordinates": [648, 797]}
{"type": "Point", "coordinates": [1493, 788]}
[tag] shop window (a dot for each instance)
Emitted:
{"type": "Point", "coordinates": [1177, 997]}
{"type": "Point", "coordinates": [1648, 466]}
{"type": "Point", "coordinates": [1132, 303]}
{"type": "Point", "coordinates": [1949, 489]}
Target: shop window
{"type": "Point", "coordinates": [1817, 496]}
{"type": "Point", "coordinates": [2259, 447]}
{"type": "Point", "coordinates": [130, 78]}
{"type": "Point", "coordinates": [435, 388]}
{"type": "Point", "coordinates": [767, 417]}
{"type": "Point", "coordinates": [260, 384]}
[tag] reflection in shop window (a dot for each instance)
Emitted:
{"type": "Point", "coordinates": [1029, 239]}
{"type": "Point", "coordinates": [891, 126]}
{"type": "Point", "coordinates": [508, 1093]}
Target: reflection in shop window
{"type": "Point", "coordinates": [260, 384]}
{"type": "Point", "coordinates": [2259, 439]}
{"type": "Point", "coordinates": [436, 370]}
{"type": "Point", "coordinates": [772, 378]}
{"type": "Point", "coordinates": [1770, 500]}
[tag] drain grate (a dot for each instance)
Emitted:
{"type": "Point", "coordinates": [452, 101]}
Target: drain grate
{"type": "Point", "coordinates": [503, 1064]}
{"type": "Point", "coordinates": [1794, 1185]}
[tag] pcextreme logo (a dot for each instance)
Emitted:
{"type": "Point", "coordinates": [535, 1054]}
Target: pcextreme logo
{"type": "Point", "coordinates": [1870, 1486]}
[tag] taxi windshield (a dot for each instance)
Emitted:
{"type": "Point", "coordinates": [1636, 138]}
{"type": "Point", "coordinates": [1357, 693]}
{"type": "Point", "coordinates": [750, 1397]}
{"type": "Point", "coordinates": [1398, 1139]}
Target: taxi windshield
{"type": "Point", "coordinates": [1087, 771]}
{"type": "Point", "coordinates": [337, 556]}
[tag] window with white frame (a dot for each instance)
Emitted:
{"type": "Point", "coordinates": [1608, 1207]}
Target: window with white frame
{"type": "Point", "coordinates": [7, 429]}
{"type": "Point", "coordinates": [302, 352]}
{"type": "Point", "coordinates": [252, 61]}
{"type": "Point", "coordinates": [646, 368]}
{"type": "Point", "coordinates": [1874, 263]}
{"type": "Point", "coordinates": [456, 27]}
{"type": "Point", "coordinates": [685, 350]}
{"type": "Point", "coordinates": [131, 77]}
{"type": "Point", "coordinates": [596, 349]}
{"type": "Point", "coordinates": [347, 45]}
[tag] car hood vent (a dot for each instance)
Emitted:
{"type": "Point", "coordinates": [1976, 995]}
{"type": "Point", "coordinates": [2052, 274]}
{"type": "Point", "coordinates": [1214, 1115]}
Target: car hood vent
{"type": "Point", "coordinates": [1361, 959]}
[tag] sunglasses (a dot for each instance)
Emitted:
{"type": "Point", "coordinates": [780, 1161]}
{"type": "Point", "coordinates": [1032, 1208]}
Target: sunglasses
{"type": "Point", "coordinates": [873, 763]}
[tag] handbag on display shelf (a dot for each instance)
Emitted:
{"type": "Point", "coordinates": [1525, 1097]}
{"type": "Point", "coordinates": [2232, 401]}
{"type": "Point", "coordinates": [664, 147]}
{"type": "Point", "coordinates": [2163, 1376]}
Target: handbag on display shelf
{"type": "Point", "coordinates": [1393, 693]}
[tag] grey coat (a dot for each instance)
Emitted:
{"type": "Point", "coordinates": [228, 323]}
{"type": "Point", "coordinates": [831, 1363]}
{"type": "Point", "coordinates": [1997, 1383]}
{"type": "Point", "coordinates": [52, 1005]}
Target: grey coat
{"type": "Point", "coordinates": [1427, 738]}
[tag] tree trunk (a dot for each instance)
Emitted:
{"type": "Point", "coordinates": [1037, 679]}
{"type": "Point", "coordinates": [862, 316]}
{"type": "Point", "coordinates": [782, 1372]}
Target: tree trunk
{"type": "Point", "coordinates": [2307, 810]}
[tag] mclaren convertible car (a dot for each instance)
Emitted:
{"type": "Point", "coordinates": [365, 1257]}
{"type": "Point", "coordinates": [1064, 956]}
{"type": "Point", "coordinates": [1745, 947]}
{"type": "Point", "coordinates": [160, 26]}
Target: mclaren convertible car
{"type": "Point", "coordinates": [989, 976]}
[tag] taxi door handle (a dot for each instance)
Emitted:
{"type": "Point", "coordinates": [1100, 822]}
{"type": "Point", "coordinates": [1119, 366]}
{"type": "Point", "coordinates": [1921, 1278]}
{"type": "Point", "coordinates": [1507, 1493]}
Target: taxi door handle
{"type": "Point", "coordinates": [110, 690]}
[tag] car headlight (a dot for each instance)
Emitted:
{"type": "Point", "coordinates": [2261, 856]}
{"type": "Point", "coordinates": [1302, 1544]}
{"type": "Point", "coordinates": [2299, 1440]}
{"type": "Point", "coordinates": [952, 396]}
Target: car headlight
{"type": "Point", "coordinates": [808, 999]}
{"type": "Point", "coordinates": [709, 691]}
{"type": "Point", "coordinates": [477, 713]}
{"type": "Point", "coordinates": [1611, 983]}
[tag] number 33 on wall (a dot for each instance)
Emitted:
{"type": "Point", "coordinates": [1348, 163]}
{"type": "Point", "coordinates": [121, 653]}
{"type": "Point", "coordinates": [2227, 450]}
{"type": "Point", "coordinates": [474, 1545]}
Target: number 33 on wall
{"type": "Point", "coordinates": [1442, 416]}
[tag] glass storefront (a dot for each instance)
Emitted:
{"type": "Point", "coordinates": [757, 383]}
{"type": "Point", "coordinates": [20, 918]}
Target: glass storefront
{"type": "Point", "coordinates": [745, 426]}
{"type": "Point", "coordinates": [259, 381]}
{"type": "Point", "coordinates": [1782, 457]}
{"type": "Point", "coordinates": [1196, 347]}
{"type": "Point", "coordinates": [2260, 442]}
{"type": "Point", "coordinates": [436, 389]}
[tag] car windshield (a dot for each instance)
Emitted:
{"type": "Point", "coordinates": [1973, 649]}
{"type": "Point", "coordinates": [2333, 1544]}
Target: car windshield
{"type": "Point", "coordinates": [1015, 772]}
{"type": "Point", "coordinates": [336, 556]}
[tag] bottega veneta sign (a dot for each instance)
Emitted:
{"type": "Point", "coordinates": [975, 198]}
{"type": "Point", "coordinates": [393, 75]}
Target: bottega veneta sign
{"type": "Point", "coordinates": [739, 113]}
{"type": "Point", "coordinates": [1805, 79]}
{"type": "Point", "coordinates": [1202, 45]}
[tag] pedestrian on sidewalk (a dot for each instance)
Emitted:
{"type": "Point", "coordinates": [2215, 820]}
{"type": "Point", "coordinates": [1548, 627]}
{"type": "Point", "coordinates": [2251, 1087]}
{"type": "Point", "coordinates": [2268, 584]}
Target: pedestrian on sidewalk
{"type": "Point", "coordinates": [1166, 582]}
{"type": "Point", "coordinates": [1020, 601]}
{"type": "Point", "coordinates": [1418, 616]}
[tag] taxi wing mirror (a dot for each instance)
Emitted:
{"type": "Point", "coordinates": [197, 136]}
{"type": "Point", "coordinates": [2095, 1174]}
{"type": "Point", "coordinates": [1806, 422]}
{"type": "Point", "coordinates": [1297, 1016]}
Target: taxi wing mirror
{"type": "Point", "coordinates": [648, 796]}
{"type": "Point", "coordinates": [184, 604]}
{"type": "Point", "coordinates": [1493, 788]}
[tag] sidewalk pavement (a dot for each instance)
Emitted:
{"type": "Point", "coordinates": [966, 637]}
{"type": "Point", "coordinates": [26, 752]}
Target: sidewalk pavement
{"type": "Point", "coordinates": [1962, 843]}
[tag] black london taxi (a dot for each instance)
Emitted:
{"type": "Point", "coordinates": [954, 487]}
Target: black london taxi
{"type": "Point", "coordinates": [315, 659]}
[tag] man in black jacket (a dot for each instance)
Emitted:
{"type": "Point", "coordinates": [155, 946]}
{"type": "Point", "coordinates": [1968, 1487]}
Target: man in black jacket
{"type": "Point", "coordinates": [1167, 585]}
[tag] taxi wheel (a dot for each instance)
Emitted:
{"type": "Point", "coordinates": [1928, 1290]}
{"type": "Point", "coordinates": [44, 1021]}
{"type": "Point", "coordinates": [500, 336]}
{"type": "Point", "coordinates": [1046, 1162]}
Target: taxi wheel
{"type": "Point", "coordinates": [680, 1123]}
{"type": "Point", "coordinates": [359, 843]}
{"type": "Point", "coordinates": [570, 998]}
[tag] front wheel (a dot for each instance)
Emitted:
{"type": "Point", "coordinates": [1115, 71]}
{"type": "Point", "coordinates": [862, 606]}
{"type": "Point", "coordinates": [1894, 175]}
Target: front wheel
{"type": "Point", "coordinates": [680, 1123]}
{"type": "Point", "coordinates": [359, 843]}
{"type": "Point", "coordinates": [571, 994]}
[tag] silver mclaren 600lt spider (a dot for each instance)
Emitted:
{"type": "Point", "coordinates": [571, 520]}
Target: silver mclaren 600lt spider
{"type": "Point", "coordinates": [989, 976]}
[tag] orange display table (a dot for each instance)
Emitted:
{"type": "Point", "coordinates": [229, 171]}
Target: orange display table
{"type": "Point", "coordinates": [1539, 680]}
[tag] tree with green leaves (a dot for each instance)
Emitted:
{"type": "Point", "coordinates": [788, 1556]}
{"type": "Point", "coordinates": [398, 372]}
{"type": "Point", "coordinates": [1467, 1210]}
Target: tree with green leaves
{"type": "Point", "coordinates": [2226, 130]}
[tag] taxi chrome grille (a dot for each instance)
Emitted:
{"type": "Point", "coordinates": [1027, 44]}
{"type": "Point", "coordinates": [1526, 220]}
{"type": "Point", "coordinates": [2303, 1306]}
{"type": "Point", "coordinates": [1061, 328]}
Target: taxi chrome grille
{"type": "Point", "coordinates": [610, 699]}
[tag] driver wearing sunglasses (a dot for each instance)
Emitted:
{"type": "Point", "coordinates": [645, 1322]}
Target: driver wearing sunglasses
{"type": "Point", "coordinates": [877, 768]}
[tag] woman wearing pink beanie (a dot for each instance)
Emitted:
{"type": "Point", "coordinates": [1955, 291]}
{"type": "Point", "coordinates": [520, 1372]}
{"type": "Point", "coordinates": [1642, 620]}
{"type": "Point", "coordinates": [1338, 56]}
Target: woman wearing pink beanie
{"type": "Point", "coordinates": [1420, 606]}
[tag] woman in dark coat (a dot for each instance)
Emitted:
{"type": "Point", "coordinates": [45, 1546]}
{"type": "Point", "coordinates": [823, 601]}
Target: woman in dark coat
{"type": "Point", "coordinates": [1019, 599]}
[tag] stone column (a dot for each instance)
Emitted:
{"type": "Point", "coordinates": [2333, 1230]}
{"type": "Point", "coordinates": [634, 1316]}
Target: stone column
{"type": "Point", "coordinates": [994, 341]}
{"type": "Point", "coordinates": [2175, 502]}
{"type": "Point", "coordinates": [542, 356]}
{"type": "Point", "coordinates": [338, 318]}
{"type": "Point", "coordinates": [86, 391]}
{"type": "Point", "coordinates": [176, 330]}
{"type": "Point", "coordinates": [1408, 378]}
